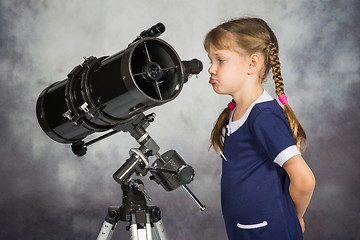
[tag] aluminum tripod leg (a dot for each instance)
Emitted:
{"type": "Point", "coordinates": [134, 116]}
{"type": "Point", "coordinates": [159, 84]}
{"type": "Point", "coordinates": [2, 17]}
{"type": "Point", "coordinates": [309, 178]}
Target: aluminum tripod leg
{"type": "Point", "coordinates": [109, 224]}
{"type": "Point", "coordinates": [106, 231]}
{"type": "Point", "coordinates": [147, 232]}
{"type": "Point", "coordinates": [159, 230]}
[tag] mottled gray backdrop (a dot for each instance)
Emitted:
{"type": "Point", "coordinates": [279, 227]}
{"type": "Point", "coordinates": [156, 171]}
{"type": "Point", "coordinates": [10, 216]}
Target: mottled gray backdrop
{"type": "Point", "coordinates": [48, 193]}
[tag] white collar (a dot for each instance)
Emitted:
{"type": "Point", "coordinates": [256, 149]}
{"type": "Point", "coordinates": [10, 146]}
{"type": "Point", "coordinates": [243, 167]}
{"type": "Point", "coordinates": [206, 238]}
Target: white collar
{"type": "Point", "coordinates": [233, 126]}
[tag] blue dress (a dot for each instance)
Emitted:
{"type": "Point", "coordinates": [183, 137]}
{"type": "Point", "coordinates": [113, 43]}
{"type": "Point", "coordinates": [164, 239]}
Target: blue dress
{"type": "Point", "coordinates": [254, 187]}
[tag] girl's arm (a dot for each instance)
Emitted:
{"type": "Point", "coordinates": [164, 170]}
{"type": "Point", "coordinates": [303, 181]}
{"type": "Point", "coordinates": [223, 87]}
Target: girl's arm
{"type": "Point", "coordinates": [302, 184]}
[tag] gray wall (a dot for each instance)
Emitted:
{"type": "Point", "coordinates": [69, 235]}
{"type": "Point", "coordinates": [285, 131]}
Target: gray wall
{"type": "Point", "coordinates": [48, 193]}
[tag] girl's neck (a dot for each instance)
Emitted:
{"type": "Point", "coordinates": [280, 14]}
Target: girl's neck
{"type": "Point", "coordinates": [245, 99]}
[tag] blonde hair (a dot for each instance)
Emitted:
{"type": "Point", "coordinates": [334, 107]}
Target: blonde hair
{"type": "Point", "coordinates": [254, 36]}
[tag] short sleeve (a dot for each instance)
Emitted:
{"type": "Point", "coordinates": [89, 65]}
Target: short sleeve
{"type": "Point", "coordinates": [273, 133]}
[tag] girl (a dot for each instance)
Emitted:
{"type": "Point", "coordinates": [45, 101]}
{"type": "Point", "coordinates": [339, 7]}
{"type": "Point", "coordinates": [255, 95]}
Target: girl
{"type": "Point", "coordinates": [266, 185]}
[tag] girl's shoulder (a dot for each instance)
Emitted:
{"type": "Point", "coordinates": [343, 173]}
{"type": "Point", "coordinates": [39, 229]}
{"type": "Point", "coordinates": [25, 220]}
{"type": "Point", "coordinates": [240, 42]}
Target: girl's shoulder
{"type": "Point", "coordinates": [269, 107]}
{"type": "Point", "coordinates": [267, 113]}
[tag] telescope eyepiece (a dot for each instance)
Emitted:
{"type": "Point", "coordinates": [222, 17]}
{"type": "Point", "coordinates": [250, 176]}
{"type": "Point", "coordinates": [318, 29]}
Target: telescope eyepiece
{"type": "Point", "coordinates": [193, 66]}
{"type": "Point", "coordinates": [154, 31]}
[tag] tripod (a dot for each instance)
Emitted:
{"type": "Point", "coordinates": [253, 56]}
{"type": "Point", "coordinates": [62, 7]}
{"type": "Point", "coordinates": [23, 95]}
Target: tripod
{"type": "Point", "coordinates": [169, 170]}
{"type": "Point", "coordinates": [145, 221]}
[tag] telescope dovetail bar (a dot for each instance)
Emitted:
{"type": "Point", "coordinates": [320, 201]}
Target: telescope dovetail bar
{"type": "Point", "coordinates": [111, 93]}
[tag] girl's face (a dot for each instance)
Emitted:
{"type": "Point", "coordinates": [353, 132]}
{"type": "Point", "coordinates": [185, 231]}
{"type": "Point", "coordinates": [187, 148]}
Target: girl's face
{"type": "Point", "coordinates": [228, 71]}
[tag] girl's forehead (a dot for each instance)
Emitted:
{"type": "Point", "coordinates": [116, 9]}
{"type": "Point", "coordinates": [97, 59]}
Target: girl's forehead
{"type": "Point", "coordinates": [221, 43]}
{"type": "Point", "coordinates": [216, 51]}
{"type": "Point", "coordinates": [213, 51]}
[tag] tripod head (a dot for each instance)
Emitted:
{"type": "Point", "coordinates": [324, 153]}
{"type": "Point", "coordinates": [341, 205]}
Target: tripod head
{"type": "Point", "coordinates": [169, 170]}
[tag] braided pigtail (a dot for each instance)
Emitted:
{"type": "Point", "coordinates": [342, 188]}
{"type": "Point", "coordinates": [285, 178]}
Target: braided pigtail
{"type": "Point", "coordinates": [217, 133]}
{"type": "Point", "coordinates": [297, 129]}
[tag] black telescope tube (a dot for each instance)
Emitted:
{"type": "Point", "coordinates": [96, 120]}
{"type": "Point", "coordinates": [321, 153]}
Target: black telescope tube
{"type": "Point", "coordinates": [106, 92]}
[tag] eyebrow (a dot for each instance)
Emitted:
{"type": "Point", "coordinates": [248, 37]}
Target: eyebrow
{"type": "Point", "coordinates": [216, 54]}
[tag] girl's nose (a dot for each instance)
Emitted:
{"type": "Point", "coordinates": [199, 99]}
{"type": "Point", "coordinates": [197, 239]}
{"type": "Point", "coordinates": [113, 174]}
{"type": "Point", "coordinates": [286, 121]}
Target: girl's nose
{"type": "Point", "coordinates": [212, 69]}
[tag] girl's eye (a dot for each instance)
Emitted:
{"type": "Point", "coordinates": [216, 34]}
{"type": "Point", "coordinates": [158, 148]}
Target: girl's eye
{"type": "Point", "coordinates": [219, 60]}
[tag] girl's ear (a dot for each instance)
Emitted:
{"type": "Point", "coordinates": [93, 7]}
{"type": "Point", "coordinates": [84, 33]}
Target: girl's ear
{"type": "Point", "coordinates": [255, 63]}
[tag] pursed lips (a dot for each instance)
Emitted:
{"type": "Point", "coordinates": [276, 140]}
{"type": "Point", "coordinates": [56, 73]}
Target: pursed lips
{"type": "Point", "coordinates": [212, 80]}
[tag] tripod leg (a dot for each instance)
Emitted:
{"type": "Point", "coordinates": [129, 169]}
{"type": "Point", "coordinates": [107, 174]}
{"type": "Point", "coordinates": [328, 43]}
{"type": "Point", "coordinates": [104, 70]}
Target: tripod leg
{"type": "Point", "coordinates": [140, 233]}
{"type": "Point", "coordinates": [133, 228]}
{"type": "Point", "coordinates": [148, 227]}
{"type": "Point", "coordinates": [106, 231]}
{"type": "Point", "coordinates": [109, 224]}
{"type": "Point", "coordinates": [159, 230]}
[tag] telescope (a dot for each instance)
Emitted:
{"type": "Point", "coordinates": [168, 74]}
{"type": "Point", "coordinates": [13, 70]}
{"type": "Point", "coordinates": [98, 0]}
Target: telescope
{"type": "Point", "coordinates": [103, 93]}
{"type": "Point", "coordinates": [111, 93]}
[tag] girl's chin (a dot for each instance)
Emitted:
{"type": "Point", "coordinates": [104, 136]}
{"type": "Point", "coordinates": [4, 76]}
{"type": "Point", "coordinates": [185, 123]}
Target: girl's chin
{"type": "Point", "coordinates": [219, 91]}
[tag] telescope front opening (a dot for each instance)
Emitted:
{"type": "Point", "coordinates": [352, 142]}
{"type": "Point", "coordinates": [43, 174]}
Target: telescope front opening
{"type": "Point", "coordinates": [156, 70]}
